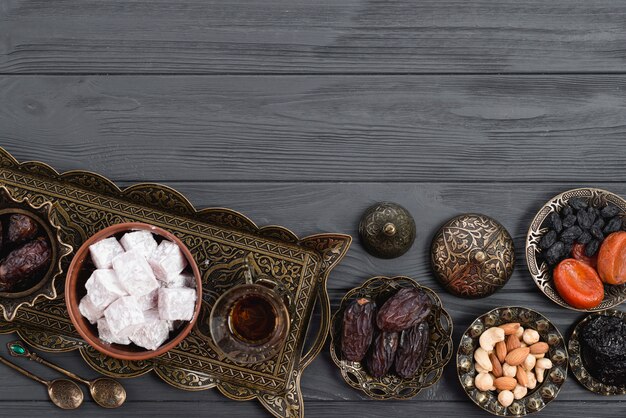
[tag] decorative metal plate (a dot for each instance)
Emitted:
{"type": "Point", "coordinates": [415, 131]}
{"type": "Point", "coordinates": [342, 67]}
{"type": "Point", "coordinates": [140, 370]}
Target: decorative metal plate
{"type": "Point", "coordinates": [472, 255]}
{"type": "Point", "coordinates": [392, 386]}
{"type": "Point", "coordinates": [218, 239]}
{"type": "Point", "coordinates": [542, 273]}
{"type": "Point", "coordinates": [576, 361]}
{"type": "Point", "coordinates": [536, 399]}
{"type": "Point", "coordinates": [49, 217]}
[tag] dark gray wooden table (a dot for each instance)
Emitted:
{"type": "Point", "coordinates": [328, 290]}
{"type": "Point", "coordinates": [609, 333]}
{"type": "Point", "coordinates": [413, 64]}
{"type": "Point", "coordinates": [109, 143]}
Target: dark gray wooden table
{"type": "Point", "coordinates": [303, 113]}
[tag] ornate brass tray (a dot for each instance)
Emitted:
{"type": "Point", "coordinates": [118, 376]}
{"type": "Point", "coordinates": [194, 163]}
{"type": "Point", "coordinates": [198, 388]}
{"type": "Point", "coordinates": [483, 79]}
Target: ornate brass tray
{"type": "Point", "coordinates": [219, 239]}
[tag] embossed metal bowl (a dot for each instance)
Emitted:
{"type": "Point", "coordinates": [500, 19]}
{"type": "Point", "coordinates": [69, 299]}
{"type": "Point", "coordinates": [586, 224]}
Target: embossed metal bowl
{"type": "Point", "coordinates": [41, 285]}
{"type": "Point", "coordinates": [539, 269]}
{"type": "Point", "coordinates": [537, 398]}
{"type": "Point", "coordinates": [82, 267]}
{"type": "Point", "coordinates": [578, 366]}
{"type": "Point", "coordinates": [392, 386]}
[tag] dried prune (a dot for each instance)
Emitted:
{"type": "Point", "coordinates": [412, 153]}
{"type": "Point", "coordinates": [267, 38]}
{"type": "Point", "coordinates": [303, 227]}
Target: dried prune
{"type": "Point", "coordinates": [382, 353]}
{"type": "Point", "coordinates": [406, 308]}
{"type": "Point", "coordinates": [412, 349]}
{"type": "Point", "coordinates": [554, 221]}
{"type": "Point", "coordinates": [614, 225]}
{"type": "Point", "coordinates": [584, 238]}
{"type": "Point", "coordinates": [577, 203]}
{"type": "Point", "coordinates": [555, 253]}
{"type": "Point", "coordinates": [548, 240]}
{"type": "Point", "coordinates": [569, 220]}
{"type": "Point", "coordinates": [609, 211]}
{"type": "Point", "coordinates": [592, 247]}
{"type": "Point", "coordinates": [570, 234]}
{"type": "Point", "coordinates": [23, 262]}
{"type": "Point", "coordinates": [584, 220]}
{"type": "Point", "coordinates": [358, 329]}
{"type": "Point", "coordinates": [21, 228]}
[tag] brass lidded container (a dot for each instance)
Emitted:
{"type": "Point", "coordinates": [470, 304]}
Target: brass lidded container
{"type": "Point", "coordinates": [387, 230]}
{"type": "Point", "coordinates": [472, 255]}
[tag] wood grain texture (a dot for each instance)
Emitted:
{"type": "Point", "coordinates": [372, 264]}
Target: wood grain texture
{"type": "Point", "coordinates": [302, 36]}
{"type": "Point", "coordinates": [471, 129]}
{"type": "Point", "coordinates": [320, 207]}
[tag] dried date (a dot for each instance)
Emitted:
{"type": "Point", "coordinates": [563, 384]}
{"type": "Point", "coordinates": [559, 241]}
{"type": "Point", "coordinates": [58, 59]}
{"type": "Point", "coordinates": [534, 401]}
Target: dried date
{"type": "Point", "coordinates": [23, 262]}
{"type": "Point", "coordinates": [358, 329]}
{"type": "Point", "coordinates": [403, 310]}
{"type": "Point", "coordinates": [21, 228]}
{"type": "Point", "coordinates": [412, 350]}
{"type": "Point", "coordinates": [382, 353]}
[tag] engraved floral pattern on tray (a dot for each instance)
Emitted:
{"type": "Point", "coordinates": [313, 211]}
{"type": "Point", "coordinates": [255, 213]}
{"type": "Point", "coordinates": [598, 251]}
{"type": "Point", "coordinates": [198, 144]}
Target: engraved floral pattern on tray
{"type": "Point", "coordinates": [218, 239]}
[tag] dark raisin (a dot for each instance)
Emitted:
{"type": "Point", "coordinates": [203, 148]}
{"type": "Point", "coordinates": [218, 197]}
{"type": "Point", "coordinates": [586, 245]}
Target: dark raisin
{"type": "Point", "coordinates": [599, 223]}
{"type": "Point", "coordinates": [554, 253]}
{"type": "Point", "coordinates": [548, 240]}
{"type": "Point", "coordinates": [596, 233]}
{"type": "Point", "coordinates": [593, 213]}
{"type": "Point", "coordinates": [566, 211]}
{"type": "Point", "coordinates": [554, 221]}
{"type": "Point", "coordinates": [584, 221]}
{"type": "Point", "coordinates": [578, 203]}
{"type": "Point", "coordinates": [613, 225]}
{"type": "Point", "coordinates": [569, 220]}
{"type": "Point", "coordinates": [567, 249]}
{"type": "Point", "coordinates": [592, 247]}
{"type": "Point", "coordinates": [584, 238]}
{"type": "Point", "coordinates": [609, 211]}
{"type": "Point", "coordinates": [570, 234]}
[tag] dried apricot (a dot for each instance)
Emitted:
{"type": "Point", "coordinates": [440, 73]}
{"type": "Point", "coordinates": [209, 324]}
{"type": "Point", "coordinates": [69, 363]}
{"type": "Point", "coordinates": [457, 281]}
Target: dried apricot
{"type": "Point", "coordinates": [612, 259]}
{"type": "Point", "coordinates": [578, 284]}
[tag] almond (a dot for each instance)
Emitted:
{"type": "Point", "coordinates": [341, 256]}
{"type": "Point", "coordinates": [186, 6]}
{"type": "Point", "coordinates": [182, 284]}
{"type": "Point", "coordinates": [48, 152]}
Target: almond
{"type": "Point", "coordinates": [517, 356]}
{"type": "Point", "coordinates": [521, 376]}
{"type": "Point", "coordinates": [505, 383]}
{"type": "Point", "coordinates": [495, 363]}
{"type": "Point", "coordinates": [510, 328]}
{"type": "Point", "coordinates": [512, 342]}
{"type": "Point", "coordinates": [501, 351]}
{"type": "Point", "coordinates": [539, 348]}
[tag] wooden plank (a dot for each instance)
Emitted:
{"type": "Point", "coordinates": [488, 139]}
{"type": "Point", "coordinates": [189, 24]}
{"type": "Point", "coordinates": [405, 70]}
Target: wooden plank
{"type": "Point", "coordinates": [313, 208]}
{"type": "Point", "coordinates": [471, 129]}
{"type": "Point", "coordinates": [300, 36]}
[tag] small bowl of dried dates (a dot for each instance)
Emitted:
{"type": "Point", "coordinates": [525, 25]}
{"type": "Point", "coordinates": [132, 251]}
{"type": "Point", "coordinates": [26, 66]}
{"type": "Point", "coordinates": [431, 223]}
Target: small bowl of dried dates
{"type": "Point", "coordinates": [31, 251]}
{"type": "Point", "coordinates": [391, 338]}
{"type": "Point", "coordinates": [576, 249]}
{"type": "Point", "coordinates": [512, 361]}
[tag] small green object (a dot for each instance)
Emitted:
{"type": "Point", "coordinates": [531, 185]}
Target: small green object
{"type": "Point", "coordinates": [18, 349]}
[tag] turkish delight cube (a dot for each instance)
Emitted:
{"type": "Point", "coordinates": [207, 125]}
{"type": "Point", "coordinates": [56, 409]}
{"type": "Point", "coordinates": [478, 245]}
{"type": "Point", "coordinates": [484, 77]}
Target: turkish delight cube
{"type": "Point", "coordinates": [183, 279]}
{"type": "Point", "coordinates": [152, 333]}
{"type": "Point", "coordinates": [134, 273]}
{"type": "Point", "coordinates": [104, 288]}
{"type": "Point", "coordinates": [89, 310]}
{"type": "Point", "coordinates": [167, 260]}
{"type": "Point", "coordinates": [106, 335]}
{"type": "Point", "coordinates": [149, 300]}
{"type": "Point", "coordinates": [122, 314]}
{"type": "Point", "coordinates": [177, 303]}
{"type": "Point", "coordinates": [104, 251]}
{"type": "Point", "coordinates": [141, 241]}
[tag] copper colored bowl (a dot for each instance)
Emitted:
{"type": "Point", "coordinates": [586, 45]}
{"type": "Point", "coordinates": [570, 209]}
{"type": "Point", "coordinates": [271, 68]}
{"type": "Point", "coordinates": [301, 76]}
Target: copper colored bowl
{"type": "Point", "coordinates": [81, 268]}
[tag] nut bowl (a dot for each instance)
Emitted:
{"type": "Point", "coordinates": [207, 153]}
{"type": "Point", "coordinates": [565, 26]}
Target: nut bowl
{"type": "Point", "coordinates": [81, 268]}
{"type": "Point", "coordinates": [539, 269]}
{"type": "Point", "coordinates": [392, 386]}
{"type": "Point", "coordinates": [536, 399]}
{"type": "Point", "coordinates": [576, 359]}
{"type": "Point", "coordinates": [42, 284]}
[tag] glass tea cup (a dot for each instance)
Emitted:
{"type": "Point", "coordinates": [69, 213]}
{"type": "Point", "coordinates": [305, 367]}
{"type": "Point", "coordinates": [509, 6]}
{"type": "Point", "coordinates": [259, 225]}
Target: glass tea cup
{"type": "Point", "coordinates": [249, 322]}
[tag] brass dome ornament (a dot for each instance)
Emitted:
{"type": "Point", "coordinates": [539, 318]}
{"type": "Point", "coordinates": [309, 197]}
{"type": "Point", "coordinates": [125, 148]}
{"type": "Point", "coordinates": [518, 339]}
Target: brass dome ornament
{"type": "Point", "coordinates": [387, 230]}
{"type": "Point", "coordinates": [472, 255]}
